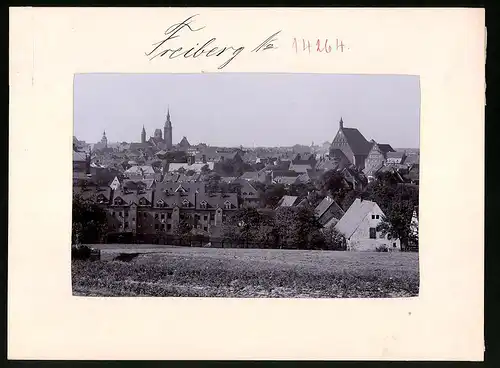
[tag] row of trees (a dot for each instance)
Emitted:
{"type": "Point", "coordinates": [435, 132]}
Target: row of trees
{"type": "Point", "coordinates": [287, 227]}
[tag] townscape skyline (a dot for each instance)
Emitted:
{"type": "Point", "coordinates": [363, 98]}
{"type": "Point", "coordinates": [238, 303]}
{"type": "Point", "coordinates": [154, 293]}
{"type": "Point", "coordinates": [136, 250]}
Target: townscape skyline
{"type": "Point", "coordinates": [384, 108]}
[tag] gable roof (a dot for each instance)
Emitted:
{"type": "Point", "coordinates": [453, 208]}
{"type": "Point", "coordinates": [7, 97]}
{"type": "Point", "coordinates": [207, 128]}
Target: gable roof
{"type": "Point", "coordinates": [287, 201]}
{"type": "Point", "coordinates": [300, 168]}
{"type": "Point", "coordinates": [412, 159]}
{"type": "Point", "coordinates": [79, 156]}
{"type": "Point", "coordinates": [188, 187]}
{"type": "Point", "coordinates": [141, 170]}
{"type": "Point", "coordinates": [134, 184]}
{"type": "Point", "coordinates": [133, 196]}
{"type": "Point", "coordinates": [325, 204]}
{"type": "Point", "coordinates": [250, 175]}
{"type": "Point", "coordinates": [385, 148]}
{"type": "Point", "coordinates": [184, 142]}
{"type": "Point", "coordinates": [358, 143]}
{"type": "Point", "coordinates": [92, 192]}
{"type": "Point", "coordinates": [396, 154]}
{"type": "Point", "coordinates": [175, 166]}
{"type": "Point", "coordinates": [348, 224]}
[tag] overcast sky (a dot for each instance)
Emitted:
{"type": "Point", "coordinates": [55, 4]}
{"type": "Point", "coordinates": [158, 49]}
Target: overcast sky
{"type": "Point", "coordinates": [232, 109]}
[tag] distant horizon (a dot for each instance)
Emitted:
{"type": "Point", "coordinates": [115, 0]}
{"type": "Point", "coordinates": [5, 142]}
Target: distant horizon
{"type": "Point", "coordinates": [273, 110]}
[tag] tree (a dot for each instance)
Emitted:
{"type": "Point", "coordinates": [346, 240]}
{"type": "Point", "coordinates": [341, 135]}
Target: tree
{"type": "Point", "coordinates": [182, 229]}
{"type": "Point", "coordinates": [89, 221]}
{"type": "Point", "coordinates": [205, 169]}
{"type": "Point", "coordinates": [190, 172]}
{"type": "Point", "coordinates": [213, 183]}
{"type": "Point", "coordinates": [397, 223]}
{"type": "Point", "coordinates": [334, 240]}
{"type": "Point", "coordinates": [272, 194]}
{"type": "Point", "coordinates": [332, 181]}
{"type": "Point", "coordinates": [298, 227]}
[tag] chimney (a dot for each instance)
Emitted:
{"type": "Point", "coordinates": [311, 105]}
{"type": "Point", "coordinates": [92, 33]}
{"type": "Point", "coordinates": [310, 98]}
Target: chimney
{"type": "Point", "coordinates": [204, 159]}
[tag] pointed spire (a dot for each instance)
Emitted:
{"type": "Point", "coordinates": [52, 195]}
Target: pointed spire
{"type": "Point", "coordinates": [341, 123]}
{"type": "Point", "coordinates": [168, 123]}
{"type": "Point", "coordinates": [143, 129]}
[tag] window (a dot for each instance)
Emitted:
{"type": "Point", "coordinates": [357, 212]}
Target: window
{"type": "Point", "coordinates": [113, 213]}
{"type": "Point", "coordinates": [169, 226]}
{"type": "Point", "coordinates": [156, 216]}
{"type": "Point", "coordinates": [126, 213]}
{"type": "Point", "coordinates": [373, 233]}
{"type": "Point", "coordinates": [120, 213]}
{"type": "Point", "coordinates": [377, 216]}
{"type": "Point", "coordinates": [203, 204]}
{"type": "Point", "coordinates": [394, 245]}
{"type": "Point", "coordinates": [126, 225]}
{"type": "Point", "coordinates": [133, 218]}
{"type": "Point", "coordinates": [373, 217]}
{"type": "Point", "coordinates": [156, 226]}
{"type": "Point", "coordinates": [162, 216]}
{"type": "Point", "coordinates": [145, 214]}
{"type": "Point", "coordinates": [205, 217]}
{"type": "Point", "coordinates": [205, 228]}
{"type": "Point", "coordinates": [163, 227]}
{"type": "Point", "coordinates": [227, 205]}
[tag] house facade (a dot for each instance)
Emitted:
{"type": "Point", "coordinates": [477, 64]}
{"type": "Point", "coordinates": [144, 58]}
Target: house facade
{"type": "Point", "coordinates": [161, 209]}
{"type": "Point", "coordinates": [359, 227]}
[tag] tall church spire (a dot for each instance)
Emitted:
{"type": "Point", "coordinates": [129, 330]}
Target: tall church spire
{"type": "Point", "coordinates": [168, 123]}
{"type": "Point", "coordinates": [341, 123]}
{"type": "Point", "coordinates": [167, 131]}
{"type": "Point", "coordinates": [143, 134]}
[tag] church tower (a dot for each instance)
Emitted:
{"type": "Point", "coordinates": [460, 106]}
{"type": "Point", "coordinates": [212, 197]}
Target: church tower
{"type": "Point", "coordinates": [167, 131]}
{"type": "Point", "coordinates": [143, 135]}
{"type": "Point", "coordinates": [104, 140]}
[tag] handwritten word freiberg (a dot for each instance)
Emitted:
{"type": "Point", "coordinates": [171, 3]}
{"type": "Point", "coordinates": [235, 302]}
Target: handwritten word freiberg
{"type": "Point", "coordinates": [319, 46]}
{"type": "Point", "coordinates": [174, 31]}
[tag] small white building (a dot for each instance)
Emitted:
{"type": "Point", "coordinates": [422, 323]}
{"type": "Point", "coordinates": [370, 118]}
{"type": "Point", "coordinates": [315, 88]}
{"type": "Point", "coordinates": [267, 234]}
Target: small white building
{"type": "Point", "coordinates": [359, 226]}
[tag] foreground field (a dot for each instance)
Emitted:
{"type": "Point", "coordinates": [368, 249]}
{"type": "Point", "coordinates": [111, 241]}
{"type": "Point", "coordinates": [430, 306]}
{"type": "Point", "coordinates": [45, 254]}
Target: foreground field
{"type": "Point", "coordinates": [201, 272]}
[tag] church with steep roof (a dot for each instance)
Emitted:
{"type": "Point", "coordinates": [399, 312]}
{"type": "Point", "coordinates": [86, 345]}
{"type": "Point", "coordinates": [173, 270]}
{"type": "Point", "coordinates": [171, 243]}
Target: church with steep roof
{"type": "Point", "coordinates": [350, 147]}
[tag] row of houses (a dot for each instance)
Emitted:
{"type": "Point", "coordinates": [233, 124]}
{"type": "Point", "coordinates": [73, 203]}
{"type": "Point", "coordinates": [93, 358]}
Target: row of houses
{"type": "Point", "coordinates": [146, 207]}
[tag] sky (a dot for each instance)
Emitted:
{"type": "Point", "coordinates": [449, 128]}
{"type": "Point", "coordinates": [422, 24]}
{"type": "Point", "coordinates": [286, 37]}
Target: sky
{"type": "Point", "coordinates": [233, 109]}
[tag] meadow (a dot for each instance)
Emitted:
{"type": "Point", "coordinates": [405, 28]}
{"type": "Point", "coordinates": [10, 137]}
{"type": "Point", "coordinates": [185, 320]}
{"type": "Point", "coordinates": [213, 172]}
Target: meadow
{"type": "Point", "coordinates": [216, 272]}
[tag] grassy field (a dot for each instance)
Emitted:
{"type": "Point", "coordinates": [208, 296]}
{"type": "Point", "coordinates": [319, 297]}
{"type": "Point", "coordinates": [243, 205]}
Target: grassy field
{"type": "Point", "coordinates": [202, 272]}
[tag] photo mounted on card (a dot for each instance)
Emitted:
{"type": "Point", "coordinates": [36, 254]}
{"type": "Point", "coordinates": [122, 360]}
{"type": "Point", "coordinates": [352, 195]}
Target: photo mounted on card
{"type": "Point", "coordinates": [246, 184]}
{"type": "Point", "coordinates": [256, 185]}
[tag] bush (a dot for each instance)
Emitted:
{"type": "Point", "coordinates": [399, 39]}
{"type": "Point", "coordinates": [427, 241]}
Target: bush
{"type": "Point", "coordinates": [334, 240]}
{"type": "Point", "coordinates": [381, 248]}
{"type": "Point", "coordinates": [84, 252]}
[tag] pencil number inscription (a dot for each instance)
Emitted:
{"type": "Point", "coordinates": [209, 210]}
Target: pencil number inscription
{"type": "Point", "coordinates": [301, 45]}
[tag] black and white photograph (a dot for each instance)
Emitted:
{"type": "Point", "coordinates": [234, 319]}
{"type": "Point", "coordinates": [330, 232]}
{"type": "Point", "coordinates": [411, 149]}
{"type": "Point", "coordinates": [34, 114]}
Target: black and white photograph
{"type": "Point", "coordinates": [245, 185]}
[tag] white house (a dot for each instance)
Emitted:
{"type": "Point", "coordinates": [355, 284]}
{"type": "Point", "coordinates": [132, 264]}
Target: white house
{"type": "Point", "coordinates": [359, 226]}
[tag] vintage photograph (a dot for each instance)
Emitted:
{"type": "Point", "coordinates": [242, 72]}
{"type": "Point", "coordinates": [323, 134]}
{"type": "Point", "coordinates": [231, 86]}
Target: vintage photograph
{"type": "Point", "coordinates": [246, 185]}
